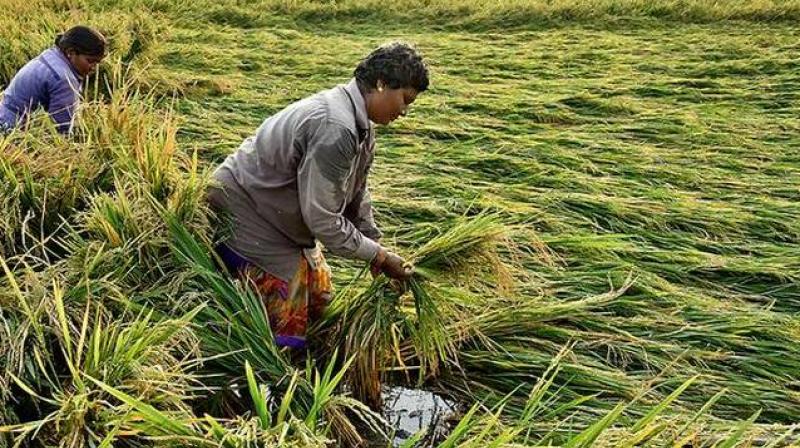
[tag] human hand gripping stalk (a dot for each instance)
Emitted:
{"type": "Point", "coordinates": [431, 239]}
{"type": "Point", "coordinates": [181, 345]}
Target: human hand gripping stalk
{"type": "Point", "coordinates": [394, 267]}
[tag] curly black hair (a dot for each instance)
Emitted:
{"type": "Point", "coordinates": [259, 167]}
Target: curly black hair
{"type": "Point", "coordinates": [397, 64]}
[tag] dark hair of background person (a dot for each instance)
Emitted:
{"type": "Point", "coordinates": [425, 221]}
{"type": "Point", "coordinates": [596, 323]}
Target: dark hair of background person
{"type": "Point", "coordinates": [82, 40]}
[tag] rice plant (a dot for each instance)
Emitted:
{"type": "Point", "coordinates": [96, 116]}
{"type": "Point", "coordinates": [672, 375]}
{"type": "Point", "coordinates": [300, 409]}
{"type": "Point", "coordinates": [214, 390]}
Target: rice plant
{"type": "Point", "coordinates": [371, 325]}
{"type": "Point", "coordinates": [59, 341]}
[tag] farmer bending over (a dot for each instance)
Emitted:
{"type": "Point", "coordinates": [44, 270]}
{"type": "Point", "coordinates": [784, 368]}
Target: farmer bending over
{"type": "Point", "coordinates": [53, 80]}
{"type": "Point", "coordinates": [302, 179]}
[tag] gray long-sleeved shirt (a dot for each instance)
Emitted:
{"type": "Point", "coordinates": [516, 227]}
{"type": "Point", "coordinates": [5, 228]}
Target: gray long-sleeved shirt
{"type": "Point", "coordinates": [302, 178]}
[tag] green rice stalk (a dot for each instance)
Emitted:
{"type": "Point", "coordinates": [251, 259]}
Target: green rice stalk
{"type": "Point", "coordinates": [372, 325]}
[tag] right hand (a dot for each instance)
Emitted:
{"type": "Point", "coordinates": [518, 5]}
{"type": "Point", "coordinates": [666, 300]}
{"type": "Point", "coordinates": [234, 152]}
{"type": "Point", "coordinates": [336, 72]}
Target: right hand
{"type": "Point", "coordinates": [393, 266]}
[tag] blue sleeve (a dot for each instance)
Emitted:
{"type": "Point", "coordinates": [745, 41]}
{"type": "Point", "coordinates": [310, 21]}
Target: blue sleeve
{"type": "Point", "coordinates": [64, 96]}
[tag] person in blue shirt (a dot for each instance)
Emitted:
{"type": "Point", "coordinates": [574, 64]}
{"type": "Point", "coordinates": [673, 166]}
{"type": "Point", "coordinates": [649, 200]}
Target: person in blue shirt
{"type": "Point", "coordinates": [53, 80]}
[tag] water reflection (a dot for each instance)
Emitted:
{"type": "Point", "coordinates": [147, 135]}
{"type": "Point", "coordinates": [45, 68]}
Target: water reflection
{"type": "Point", "coordinates": [412, 410]}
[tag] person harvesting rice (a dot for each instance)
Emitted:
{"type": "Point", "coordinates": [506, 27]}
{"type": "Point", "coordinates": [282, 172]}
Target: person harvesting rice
{"type": "Point", "coordinates": [302, 179]}
{"type": "Point", "coordinates": [53, 80]}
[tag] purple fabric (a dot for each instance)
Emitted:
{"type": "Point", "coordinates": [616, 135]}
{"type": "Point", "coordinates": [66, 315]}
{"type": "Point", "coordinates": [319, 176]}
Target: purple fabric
{"type": "Point", "coordinates": [297, 342]}
{"type": "Point", "coordinates": [48, 81]}
{"type": "Point", "coordinates": [234, 262]}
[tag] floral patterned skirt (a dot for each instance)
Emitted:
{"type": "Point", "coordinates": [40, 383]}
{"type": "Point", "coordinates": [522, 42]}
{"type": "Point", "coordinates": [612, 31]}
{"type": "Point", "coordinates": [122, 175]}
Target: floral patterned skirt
{"type": "Point", "coordinates": [292, 306]}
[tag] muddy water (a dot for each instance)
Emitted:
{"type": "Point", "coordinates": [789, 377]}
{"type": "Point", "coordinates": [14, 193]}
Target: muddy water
{"type": "Point", "coordinates": [412, 410]}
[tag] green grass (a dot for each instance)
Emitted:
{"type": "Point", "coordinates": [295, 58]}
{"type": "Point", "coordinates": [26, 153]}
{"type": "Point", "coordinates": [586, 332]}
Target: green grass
{"type": "Point", "coordinates": [641, 154]}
